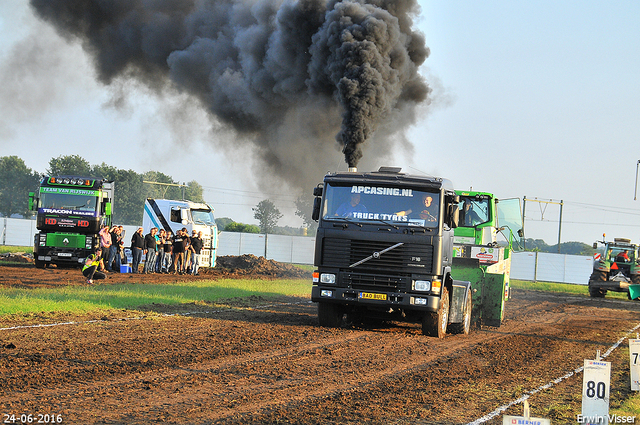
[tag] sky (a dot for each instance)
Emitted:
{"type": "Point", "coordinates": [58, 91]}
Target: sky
{"type": "Point", "coordinates": [537, 100]}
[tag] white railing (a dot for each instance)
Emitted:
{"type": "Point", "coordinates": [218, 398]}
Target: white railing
{"type": "Point", "coordinates": [532, 266]}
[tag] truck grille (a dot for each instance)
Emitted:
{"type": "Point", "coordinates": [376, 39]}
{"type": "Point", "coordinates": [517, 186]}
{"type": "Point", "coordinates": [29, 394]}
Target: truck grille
{"type": "Point", "coordinates": [403, 260]}
{"type": "Point", "coordinates": [375, 282]}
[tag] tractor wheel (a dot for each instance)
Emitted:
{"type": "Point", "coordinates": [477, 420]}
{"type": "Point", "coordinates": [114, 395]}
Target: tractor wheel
{"type": "Point", "coordinates": [597, 292]}
{"type": "Point", "coordinates": [329, 315]}
{"type": "Point", "coordinates": [435, 324]}
{"type": "Point", "coordinates": [596, 278]}
{"type": "Point", "coordinates": [464, 327]}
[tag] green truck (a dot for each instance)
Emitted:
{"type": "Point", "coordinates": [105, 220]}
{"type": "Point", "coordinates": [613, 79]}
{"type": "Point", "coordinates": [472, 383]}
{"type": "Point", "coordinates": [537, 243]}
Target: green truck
{"type": "Point", "coordinates": [70, 211]}
{"type": "Point", "coordinates": [483, 244]}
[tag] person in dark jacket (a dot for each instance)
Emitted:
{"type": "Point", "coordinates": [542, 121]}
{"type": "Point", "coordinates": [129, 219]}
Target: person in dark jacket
{"type": "Point", "coordinates": [196, 247]}
{"type": "Point", "coordinates": [137, 245]}
{"type": "Point", "coordinates": [150, 250]}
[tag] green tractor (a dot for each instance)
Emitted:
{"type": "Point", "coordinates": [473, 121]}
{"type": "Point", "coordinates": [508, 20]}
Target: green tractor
{"type": "Point", "coordinates": [617, 269]}
{"type": "Point", "coordinates": [483, 242]}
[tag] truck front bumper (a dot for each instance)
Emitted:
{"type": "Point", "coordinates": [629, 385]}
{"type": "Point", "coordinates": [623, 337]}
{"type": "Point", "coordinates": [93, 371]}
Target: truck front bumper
{"type": "Point", "coordinates": [377, 299]}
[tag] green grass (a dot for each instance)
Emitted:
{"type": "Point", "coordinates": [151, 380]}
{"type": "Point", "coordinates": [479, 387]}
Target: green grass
{"type": "Point", "coordinates": [566, 288]}
{"type": "Point", "coordinates": [83, 299]}
{"type": "Point", "coordinates": [10, 248]}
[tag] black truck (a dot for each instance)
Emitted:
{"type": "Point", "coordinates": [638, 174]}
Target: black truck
{"type": "Point", "coordinates": [384, 249]}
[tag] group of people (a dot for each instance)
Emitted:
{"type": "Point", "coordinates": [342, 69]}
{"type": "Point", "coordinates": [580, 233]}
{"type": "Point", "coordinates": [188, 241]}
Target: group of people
{"type": "Point", "coordinates": [111, 246]}
{"type": "Point", "coordinates": [165, 252]}
{"type": "Point", "coordinates": [108, 256]}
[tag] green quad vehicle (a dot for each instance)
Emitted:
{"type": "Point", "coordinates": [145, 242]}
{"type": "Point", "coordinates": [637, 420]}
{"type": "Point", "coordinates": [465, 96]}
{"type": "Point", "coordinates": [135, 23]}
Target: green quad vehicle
{"type": "Point", "coordinates": [616, 269]}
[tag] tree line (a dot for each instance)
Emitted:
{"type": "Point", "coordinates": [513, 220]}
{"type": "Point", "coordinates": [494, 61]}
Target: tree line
{"type": "Point", "coordinates": [17, 180]}
{"type": "Point", "coordinates": [132, 189]}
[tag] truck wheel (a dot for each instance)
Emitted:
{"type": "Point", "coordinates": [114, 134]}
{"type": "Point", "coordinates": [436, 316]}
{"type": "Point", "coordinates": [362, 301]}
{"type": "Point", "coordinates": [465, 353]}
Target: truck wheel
{"type": "Point", "coordinates": [597, 292]}
{"type": "Point", "coordinates": [329, 315]}
{"type": "Point", "coordinates": [464, 327]}
{"type": "Point", "coordinates": [435, 324]}
{"type": "Point", "coordinates": [40, 264]}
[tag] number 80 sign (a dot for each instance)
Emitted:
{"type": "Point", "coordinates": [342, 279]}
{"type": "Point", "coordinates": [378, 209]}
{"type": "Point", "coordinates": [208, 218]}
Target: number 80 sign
{"type": "Point", "coordinates": [595, 389]}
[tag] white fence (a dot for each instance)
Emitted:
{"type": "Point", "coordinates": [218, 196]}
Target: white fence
{"type": "Point", "coordinates": [533, 266]}
{"type": "Point", "coordinates": [547, 267]}
{"type": "Point", "coordinates": [17, 231]}
{"type": "Point", "coordinates": [286, 249]}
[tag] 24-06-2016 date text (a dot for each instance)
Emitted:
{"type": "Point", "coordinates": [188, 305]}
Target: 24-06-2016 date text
{"type": "Point", "coordinates": [28, 418]}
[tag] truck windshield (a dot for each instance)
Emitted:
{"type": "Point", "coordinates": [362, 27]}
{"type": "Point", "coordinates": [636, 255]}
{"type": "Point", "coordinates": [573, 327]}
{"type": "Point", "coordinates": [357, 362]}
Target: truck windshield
{"type": "Point", "coordinates": [373, 203]}
{"type": "Point", "coordinates": [202, 216]}
{"type": "Point", "coordinates": [474, 210]}
{"type": "Point", "coordinates": [66, 201]}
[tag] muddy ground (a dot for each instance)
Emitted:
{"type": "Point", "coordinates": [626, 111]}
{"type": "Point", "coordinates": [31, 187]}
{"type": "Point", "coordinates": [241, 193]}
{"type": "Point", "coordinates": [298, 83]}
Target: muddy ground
{"type": "Point", "coordinates": [265, 361]}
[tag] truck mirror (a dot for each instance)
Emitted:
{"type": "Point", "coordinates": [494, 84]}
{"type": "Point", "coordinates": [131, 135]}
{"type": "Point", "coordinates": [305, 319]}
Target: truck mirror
{"type": "Point", "coordinates": [315, 215]}
{"type": "Point", "coordinates": [521, 233]}
{"type": "Point", "coordinates": [595, 245]}
{"type": "Point", "coordinates": [454, 217]}
{"type": "Point", "coordinates": [317, 191]}
{"type": "Point", "coordinates": [31, 196]}
{"type": "Point", "coordinates": [107, 208]}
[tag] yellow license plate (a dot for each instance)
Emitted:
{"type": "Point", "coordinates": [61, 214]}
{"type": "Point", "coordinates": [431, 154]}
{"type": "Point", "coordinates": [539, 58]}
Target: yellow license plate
{"type": "Point", "coordinates": [372, 296]}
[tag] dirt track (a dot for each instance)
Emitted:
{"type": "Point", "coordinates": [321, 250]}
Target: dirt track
{"type": "Point", "coordinates": [266, 361]}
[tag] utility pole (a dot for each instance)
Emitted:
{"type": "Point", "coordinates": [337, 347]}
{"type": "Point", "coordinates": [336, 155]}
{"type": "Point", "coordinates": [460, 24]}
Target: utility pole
{"type": "Point", "coordinates": [524, 239]}
{"type": "Point", "coordinates": [182, 185]}
{"type": "Point", "coordinates": [635, 193]}
{"type": "Point", "coordinates": [550, 201]}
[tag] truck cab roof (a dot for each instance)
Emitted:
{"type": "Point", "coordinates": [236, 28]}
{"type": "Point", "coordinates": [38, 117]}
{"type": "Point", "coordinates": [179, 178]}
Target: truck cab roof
{"type": "Point", "coordinates": [390, 175]}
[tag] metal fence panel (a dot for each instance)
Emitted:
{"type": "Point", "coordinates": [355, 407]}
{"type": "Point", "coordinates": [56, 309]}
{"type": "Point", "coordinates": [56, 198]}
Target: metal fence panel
{"type": "Point", "coordinates": [550, 267]}
{"type": "Point", "coordinates": [17, 231]}
{"type": "Point", "coordinates": [279, 248]}
{"type": "Point", "coordinates": [523, 266]}
{"type": "Point", "coordinates": [235, 243]}
{"type": "Point", "coordinates": [303, 250]}
{"type": "Point", "coordinates": [578, 268]}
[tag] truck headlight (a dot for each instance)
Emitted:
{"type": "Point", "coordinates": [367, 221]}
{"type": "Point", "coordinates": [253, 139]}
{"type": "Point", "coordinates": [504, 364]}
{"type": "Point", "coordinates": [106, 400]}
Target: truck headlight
{"type": "Point", "coordinates": [421, 285]}
{"type": "Point", "coordinates": [328, 278]}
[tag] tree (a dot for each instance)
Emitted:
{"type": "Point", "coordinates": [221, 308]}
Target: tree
{"type": "Point", "coordinates": [241, 227]}
{"type": "Point", "coordinates": [16, 181]}
{"type": "Point", "coordinates": [267, 215]}
{"type": "Point", "coordinates": [69, 165]}
{"type": "Point", "coordinates": [304, 208]}
{"type": "Point", "coordinates": [193, 192]}
{"type": "Point", "coordinates": [223, 222]}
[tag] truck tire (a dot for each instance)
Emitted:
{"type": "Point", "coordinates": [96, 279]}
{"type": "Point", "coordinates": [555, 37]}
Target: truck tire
{"type": "Point", "coordinates": [329, 315]}
{"type": "Point", "coordinates": [465, 327]}
{"type": "Point", "coordinates": [40, 264]}
{"type": "Point", "coordinates": [435, 324]}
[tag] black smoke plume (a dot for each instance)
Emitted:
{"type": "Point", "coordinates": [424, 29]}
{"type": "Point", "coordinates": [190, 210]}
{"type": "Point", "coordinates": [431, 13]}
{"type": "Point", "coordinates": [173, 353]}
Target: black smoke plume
{"type": "Point", "coordinates": [263, 67]}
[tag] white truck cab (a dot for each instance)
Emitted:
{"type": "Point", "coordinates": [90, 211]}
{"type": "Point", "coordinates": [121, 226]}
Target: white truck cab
{"type": "Point", "coordinates": [173, 215]}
